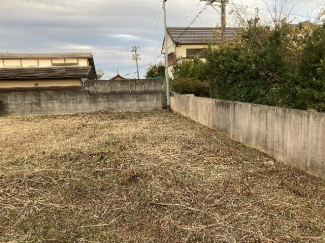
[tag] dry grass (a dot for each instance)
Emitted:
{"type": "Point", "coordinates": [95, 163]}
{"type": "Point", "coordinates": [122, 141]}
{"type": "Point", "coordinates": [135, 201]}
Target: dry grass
{"type": "Point", "coordinates": [147, 177]}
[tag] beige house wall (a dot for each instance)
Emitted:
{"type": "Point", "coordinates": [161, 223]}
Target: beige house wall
{"type": "Point", "coordinates": [29, 63]}
{"type": "Point", "coordinates": [83, 62]}
{"type": "Point", "coordinates": [171, 46]}
{"type": "Point", "coordinates": [181, 50]}
{"type": "Point", "coordinates": [73, 61]}
{"type": "Point", "coordinates": [39, 83]}
{"type": "Point", "coordinates": [11, 63]}
{"type": "Point", "coordinates": [45, 63]}
{"type": "Point", "coordinates": [58, 61]}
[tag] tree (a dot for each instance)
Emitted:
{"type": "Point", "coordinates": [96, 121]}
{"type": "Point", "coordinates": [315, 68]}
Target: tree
{"type": "Point", "coordinates": [157, 70]}
{"type": "Point", "coordinates": [100, 73]}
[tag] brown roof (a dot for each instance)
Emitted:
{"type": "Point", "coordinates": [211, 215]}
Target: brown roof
{"type": "Point", "coordinates": [47, 73]}
{"type": "Point", "coordinates": [44, 55]}
{"type": "Point", "coordinates": [200, 35]}
{"type": "Point", "coordinates": [117, 77]}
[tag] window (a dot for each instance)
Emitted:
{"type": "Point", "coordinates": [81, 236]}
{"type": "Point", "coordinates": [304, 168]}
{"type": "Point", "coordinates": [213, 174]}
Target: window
{"type": "Point", "coordinates": [190, 53]}
{"type": "Point", "coordinates": [171, 59]}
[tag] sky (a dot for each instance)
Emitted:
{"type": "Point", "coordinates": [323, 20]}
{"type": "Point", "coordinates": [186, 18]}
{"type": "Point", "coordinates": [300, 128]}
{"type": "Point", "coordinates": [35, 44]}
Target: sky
{"type": "Point", "coordinates": [110, 28]}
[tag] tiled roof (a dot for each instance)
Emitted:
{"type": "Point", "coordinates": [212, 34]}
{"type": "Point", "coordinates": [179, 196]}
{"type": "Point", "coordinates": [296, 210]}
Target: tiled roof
{"type": "Point", "coordinates": [117, 77]}
{"type": "Point", "coordinates": [49, 72]}
{"type": "Point", "coordinates": [200, 35]}
{"type": "Point", "coordinates": [44, 55]}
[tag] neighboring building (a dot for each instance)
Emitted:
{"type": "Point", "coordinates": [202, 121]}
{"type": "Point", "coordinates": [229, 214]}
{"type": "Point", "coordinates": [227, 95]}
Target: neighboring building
{"type": "Point", "coordinates": [45, 71]}
{"type": "Point", "coordinates": [186, 43]}
{"type": "Point", "coordinates": [118, 77]}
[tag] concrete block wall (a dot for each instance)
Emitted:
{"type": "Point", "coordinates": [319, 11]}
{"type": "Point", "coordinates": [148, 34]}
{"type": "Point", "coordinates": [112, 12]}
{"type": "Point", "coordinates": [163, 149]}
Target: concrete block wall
{"type": "Point", "coordinates": [122, 86]}
{"type": "Point", "coordinates": [122, 95]}
{"type": "Point", "coordinates": [292, 136]}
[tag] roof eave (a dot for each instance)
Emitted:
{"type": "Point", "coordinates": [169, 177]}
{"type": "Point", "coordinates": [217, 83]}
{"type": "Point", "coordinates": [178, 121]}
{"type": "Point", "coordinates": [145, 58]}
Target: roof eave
{"type": "Point", "coordinates": [39, 78]}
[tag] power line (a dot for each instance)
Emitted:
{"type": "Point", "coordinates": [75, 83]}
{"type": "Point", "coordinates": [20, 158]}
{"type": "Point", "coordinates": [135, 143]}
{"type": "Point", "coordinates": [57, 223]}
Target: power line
{"type": "Point", "coordinates": [197, 16]}
{"type": "Point", "coordinates": [153, 35]}
{"type": "Point", "coordinates": [193, 21]}
{"type": "Point", "coordinates": [151, 18]}
{"type": "Point", "coordinates": [195, 9]}
{"type": "Point", "coordinates": [155, 30]}
{"type": "Point", "coordinates": [151, 62]}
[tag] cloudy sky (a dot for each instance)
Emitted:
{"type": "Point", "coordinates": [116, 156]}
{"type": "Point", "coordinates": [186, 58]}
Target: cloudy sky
{"type": "Point", "coordinates": [109, 28]}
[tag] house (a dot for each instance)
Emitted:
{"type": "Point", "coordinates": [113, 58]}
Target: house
{"type": "Point", "coordinates": [117, 77]}
{"type": "Point", "coordinates": [186, 43]}
{"type": "Point", "coordinates": [45, 71]}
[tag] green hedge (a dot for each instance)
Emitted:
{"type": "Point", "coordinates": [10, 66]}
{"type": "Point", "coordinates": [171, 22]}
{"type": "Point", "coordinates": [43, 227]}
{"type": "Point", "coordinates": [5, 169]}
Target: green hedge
{"type": "Point", "coordinates": [283, 66]}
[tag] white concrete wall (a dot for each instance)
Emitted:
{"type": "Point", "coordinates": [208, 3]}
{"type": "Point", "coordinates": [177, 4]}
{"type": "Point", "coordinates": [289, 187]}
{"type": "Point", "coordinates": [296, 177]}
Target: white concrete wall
{"type": "Point", "coordinates": [295, 137]}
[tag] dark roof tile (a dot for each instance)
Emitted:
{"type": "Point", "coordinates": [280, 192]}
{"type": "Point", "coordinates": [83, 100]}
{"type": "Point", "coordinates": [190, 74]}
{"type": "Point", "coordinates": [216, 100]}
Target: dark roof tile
{"type": "Point", "coordinates": [200, 35]}
{"type": "Point", "coordinates": [47, 73]}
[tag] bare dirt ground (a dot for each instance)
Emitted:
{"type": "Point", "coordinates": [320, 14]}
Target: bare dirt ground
{"type": "Point", "coordinates": [147, 177]}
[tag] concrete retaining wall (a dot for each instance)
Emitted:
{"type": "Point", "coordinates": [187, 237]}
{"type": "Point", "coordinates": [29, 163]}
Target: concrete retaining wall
{"type": "Point", "coordinates": [122, 95]}
{"type": "Point", "coordinates": [292, 136]}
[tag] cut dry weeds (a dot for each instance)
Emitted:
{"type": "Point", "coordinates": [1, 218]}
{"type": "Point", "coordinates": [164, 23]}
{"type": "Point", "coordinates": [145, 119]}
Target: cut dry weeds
{"type": "Point", "coordinates": [147, 177]}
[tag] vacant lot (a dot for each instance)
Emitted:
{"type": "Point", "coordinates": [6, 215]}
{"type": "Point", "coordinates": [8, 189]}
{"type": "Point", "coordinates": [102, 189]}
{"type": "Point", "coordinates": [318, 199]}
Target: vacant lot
{"type": "Point", "coordinates": [147, 177]}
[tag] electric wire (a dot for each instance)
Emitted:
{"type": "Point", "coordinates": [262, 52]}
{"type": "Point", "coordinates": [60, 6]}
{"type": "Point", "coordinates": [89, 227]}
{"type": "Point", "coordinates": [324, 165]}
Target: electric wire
{"type": "Point", "coordinates": [151, 19]}
{"type": "Point", "coordinates": [195, 9]}
{"type": "Point", "coordinates": [153, 35]}
{"type": "Point", "coordinates": [193, 21]}
{"type": "Point", "coordinates": [197, 15]}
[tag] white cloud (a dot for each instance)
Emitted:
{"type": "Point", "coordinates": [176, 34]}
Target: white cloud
{"type": "Point", "coordinates": [128, 37]}
{"type": "Point", "coordinates": [75, 47]}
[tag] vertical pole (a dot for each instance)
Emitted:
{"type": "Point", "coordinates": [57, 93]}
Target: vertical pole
{"type": "Point", "coordinates": [136, 60]}
{"type": "Point", "coordinates": [257, 10]}
{"type": "Point", "coordinates": [223, 21]}
{"type": "Point", "coordinates": [166, 57]}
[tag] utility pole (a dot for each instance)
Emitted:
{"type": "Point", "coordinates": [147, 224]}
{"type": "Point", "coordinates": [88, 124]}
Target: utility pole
{"type": "Point", "coordinates": [223, 21]}
{"type": "Point", "coordinates": [223, 7]}
{"type": "Point", "coordinates": [166, 56]}
{"type": "Point", "coordinates": [136, 57]}
{"type": "Point", "coordinates": [257, 10]}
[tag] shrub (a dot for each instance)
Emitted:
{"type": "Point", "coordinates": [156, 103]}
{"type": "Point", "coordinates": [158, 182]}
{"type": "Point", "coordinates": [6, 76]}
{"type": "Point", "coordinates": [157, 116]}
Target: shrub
{"type": "Point", "coordinates": [281, 66]}
{"type": "Point", "coordinates": [190, 86]}
{"type": "Point", "coordinates": [157, 70]}
{"type": "Point", "coordinates": [311, 87]}
{"type": "Point", "coordinates": [189, 78]}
